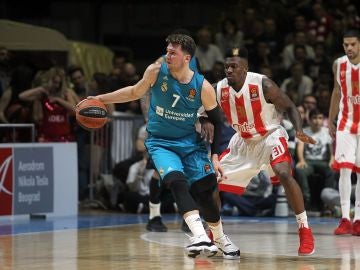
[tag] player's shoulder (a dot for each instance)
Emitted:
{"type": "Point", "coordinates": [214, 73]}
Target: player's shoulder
{"type": "Point", "coordinates": [221, 83]}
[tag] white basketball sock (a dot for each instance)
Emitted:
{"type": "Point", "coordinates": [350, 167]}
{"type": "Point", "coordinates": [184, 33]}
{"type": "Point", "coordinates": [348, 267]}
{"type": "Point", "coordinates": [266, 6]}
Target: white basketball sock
{"type": "Point", "coordinates": [217, 230]}
{"type": "Point", "coordinates": [301, 220]}
{"type": "Point", "coordinates": [345, 192]}
{"type": "Point", "coordinates": [154, 209]}
{"type": "Point", "coordinates": [195, 225]}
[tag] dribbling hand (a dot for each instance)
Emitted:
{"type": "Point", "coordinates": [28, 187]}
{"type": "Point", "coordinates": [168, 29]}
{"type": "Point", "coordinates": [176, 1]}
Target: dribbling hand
{"type": "Point", "coordinates": [304, 138]}
{"type": "Point", "coordinates": [219, 172]}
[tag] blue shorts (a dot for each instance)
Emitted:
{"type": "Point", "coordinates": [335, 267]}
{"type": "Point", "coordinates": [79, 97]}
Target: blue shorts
{"type": "Point", "coordinates": [188, 155]}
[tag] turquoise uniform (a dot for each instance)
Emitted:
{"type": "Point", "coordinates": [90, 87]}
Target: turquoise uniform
{"type": "Point", "coordinates": [173, 143]}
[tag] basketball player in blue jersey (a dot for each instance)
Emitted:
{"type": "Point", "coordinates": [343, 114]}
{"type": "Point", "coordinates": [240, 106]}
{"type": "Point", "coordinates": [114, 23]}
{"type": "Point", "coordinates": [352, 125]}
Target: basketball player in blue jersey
{"type": "Point", "coordinates": [175, 148]}
{"type": "Point", "coordinates": [155, 223]}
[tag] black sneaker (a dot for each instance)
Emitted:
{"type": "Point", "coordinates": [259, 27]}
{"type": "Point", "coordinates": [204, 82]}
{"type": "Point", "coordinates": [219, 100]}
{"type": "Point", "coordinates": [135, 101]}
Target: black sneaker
{"type": "Point", "coordinates": [156, 225]}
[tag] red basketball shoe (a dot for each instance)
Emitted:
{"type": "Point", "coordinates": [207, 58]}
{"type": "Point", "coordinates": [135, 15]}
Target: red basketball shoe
{"type": "Point", "coordinates": [306, 242]}
{"type": "Point", "coordinates": [345, 227]}
{"type": "Point", "coordinates": [356, 228]}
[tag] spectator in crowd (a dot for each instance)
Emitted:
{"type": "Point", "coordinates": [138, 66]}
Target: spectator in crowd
{"type": "Point", "coordinates": [319, 26]}
{"type": "Point", "coordinates": [315, 158]}
{"type": "Point", "coordinates": [55, 104]}
{"type": "Point", "coordinates": [351, 17]}
{"type": "Point", "coordinates": [298, 84]}
{"type": "Point", "coordinates": [14, 110]}
{"type": "Point", "coordinates": [320, 63]}
{"type": "Point", "coordinates": [301, 57]}
{"type": "Point", "coordinates": [263, 57]}
{"type": "Point", "coordinates": [5, 73]}
{"type": "Point", "coordinates": [272, 36]}
{"type": "Point", "coordinates": [230, 36]}
{"type": "Point", "coordinates": [323, 93]}
{"type": "Point", "coordinates": [333, 41]}
{"type": "Point", "coordinates": [309, 103]}
{"type": "Point", "coordinates": [216, 73]}
{"type": "Point", "coordinates": [289, 51]}
{"type": "Point", "coordinates": [117, 72]}
{"type": "Point", "coordinates": [299, 25]}
{"type": "Point", "coordinates": [206, 52]}
{"type": "Point", "coordinates": [78, 81]}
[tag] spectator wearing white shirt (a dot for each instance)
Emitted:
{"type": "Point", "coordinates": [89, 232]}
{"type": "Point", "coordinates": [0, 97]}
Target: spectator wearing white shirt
{"type": "Point", "coordinates": [206, 52]}
{"type": "Point", "coordinates": [315, 158]}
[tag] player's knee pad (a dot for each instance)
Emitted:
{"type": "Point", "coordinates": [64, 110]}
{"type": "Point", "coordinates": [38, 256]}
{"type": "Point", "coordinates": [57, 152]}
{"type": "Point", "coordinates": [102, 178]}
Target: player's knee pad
{"type": "Point", "coordinates": [203, 190]}
{"type": "Point", "coordinates": [180, 190]}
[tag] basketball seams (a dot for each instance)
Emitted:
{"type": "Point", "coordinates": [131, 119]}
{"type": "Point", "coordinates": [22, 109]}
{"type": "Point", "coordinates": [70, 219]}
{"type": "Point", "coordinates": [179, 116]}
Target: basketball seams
{"type": "Point", "coordinates": [91, 114]}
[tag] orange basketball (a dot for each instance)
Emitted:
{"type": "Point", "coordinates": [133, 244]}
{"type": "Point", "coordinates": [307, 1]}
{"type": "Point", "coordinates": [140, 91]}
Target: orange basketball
{"type": "Point", "coordinates": [91, 113]}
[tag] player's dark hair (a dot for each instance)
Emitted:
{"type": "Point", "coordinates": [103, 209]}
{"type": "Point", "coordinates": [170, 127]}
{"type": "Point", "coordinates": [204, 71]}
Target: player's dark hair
{"type": "Point", "coordinates": [315, 112]}
{"type": "Point", "coordinates": [352, 33]}
{"type": "Point", "coordinates": [73, 68]}
{"type": "Point", "coordinates": [241, 52]}
{"type": "Point", "coordinates": [186, 42]}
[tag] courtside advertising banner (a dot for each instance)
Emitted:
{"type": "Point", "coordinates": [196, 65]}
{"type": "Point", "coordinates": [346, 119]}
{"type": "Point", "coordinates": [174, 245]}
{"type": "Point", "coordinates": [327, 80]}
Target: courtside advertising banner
{"type": "Point", "coordinates": [26, 180]}
{"type": "Point", "coordinates": [6, 181]}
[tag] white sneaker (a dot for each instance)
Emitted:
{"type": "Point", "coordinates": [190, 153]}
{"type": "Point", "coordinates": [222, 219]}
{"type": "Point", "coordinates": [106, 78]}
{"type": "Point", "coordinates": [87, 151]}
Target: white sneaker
{"type": "Point", "coordinates": [200, 245]}
{"type": "Point", "coordinates": [229, 249]}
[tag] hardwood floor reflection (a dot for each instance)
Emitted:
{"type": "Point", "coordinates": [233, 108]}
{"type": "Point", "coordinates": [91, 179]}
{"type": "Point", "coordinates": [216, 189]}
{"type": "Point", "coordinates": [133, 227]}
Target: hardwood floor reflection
{"type": "Point", "coordinates": [263, 246]}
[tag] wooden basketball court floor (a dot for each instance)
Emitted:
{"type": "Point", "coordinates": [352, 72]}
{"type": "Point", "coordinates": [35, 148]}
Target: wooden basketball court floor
{"type": "Point", "coordinates": [120, 241]}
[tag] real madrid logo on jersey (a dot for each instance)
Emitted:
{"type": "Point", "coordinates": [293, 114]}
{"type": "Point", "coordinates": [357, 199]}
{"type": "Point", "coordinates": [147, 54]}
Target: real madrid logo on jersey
{"type": "Point", "coordinates": [191, 95]}
{"type": "Point", "coordinates": [164, 87]}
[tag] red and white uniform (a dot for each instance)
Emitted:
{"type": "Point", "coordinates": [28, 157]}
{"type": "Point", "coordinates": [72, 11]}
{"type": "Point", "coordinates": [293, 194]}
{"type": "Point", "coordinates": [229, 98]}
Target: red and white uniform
{"type": "Point", "coordinates": [347, 153]}
{"type": "Point", "coordinates": [260, 141]}
{"type": "Point", "coordinates": [55, 126]}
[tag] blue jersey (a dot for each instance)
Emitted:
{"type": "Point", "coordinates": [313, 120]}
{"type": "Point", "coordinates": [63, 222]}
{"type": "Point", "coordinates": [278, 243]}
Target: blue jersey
{"type": "Point", "coordinates": [193, 64]}
{"type": "Point", "coordinates": [173, 106]}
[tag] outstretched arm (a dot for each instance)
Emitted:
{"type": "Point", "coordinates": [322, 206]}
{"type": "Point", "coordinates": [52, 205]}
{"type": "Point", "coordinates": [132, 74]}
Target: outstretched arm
{"type": "Point", "coordinates": [282, 102]}
{"type": "Point", "coordinates": [133, 92]}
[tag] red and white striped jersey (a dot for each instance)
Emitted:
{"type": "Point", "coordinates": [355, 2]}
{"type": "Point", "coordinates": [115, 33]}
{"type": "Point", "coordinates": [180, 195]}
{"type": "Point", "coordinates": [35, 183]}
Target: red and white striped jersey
{"type": "Point", "coordinates": [247, 110]}
{"type": "Point", "coordinates": [347, 75]}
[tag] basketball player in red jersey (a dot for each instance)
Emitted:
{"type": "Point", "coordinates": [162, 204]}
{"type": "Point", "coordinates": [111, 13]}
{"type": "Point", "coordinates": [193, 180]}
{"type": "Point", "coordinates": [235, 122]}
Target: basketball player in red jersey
{"type": "Point", "coordinates": [252, 103]}
{"type": "Point", "coordinates": [345, 105]}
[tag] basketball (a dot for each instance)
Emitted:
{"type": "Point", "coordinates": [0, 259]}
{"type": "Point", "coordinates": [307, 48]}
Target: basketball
{"type": "Point", "coordinates": [91, 114]}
